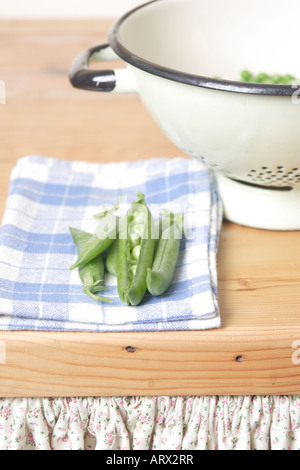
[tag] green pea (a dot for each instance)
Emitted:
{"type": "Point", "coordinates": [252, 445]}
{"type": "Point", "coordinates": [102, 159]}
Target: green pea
{"type": "Point", "coordinates": [135, 253]}
{"type": "Point", "coordinates": [132, 270]}
{"type": "Point", "coordinates": [262, 78]}
{"type": "Point", "coordinates": [92, 273]}
{"type": "Point", "coordinates": [287, 79]}
{"type": "Point", "coordinates": [161, 274]}
{"type": "Point", "coordinates": [275, 78]}
{"type": "Point", "coordinates": [246, 76]}
{"type": "Point", "coordinates": [103, 237]}
{"type": "Point", "coordinates": [135, 231]}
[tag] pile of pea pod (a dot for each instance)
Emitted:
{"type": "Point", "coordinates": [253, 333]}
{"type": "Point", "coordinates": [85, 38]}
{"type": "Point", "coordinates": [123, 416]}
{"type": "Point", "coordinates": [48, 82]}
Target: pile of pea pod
{"type": "Point", "coordinates": [141, 257]}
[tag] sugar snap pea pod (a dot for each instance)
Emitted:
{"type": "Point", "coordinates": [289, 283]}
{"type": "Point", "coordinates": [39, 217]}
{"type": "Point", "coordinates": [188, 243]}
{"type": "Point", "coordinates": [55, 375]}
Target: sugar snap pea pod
{"type": "Point", "coordinates": [135, 254]}
{"type": "Point", "coordinates": [103, 237]}
{"type": "Point", "coordinates": [111, 259]}
{"type": "Point", "coordinates": [161, 274]}
{"type": "Point", "coordinates": [92, 273]}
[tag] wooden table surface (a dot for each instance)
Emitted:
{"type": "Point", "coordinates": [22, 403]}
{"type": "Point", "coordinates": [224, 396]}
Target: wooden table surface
{"type": "Point", "coordinates": [256, 349]}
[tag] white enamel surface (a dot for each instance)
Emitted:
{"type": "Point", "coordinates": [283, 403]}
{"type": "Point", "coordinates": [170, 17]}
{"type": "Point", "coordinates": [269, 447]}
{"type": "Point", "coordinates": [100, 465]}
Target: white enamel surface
{"type": "Point", "coordinates": [125, 81]}
{"type": "Point", "coordinates": [233, 132]}
{"type": "Point", "coordinates": [258, 207]}
{"type": "Point", "coordinates": [250, 138]}
{"type": "Point", "coordinates": [217, 37]}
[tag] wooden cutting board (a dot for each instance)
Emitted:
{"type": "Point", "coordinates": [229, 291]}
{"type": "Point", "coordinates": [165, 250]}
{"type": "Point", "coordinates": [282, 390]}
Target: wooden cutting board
{"type": "Point", "coordinates": [257, 349]}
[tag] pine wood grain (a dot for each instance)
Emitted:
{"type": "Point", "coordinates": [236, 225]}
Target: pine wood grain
{"type": "Point", "coordinates": [255, 351]}
{"type": "Point", "coordinates": [227, 361]}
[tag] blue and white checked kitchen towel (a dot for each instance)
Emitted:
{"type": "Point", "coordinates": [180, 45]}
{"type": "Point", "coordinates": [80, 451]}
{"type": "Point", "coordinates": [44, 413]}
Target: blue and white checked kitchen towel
{"type": "Point", "coordinates": [38, 291]}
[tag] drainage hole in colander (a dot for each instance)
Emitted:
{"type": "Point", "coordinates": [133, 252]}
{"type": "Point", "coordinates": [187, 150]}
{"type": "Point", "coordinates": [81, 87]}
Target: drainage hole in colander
{"type": "Point", "coordinates": [279, 176]}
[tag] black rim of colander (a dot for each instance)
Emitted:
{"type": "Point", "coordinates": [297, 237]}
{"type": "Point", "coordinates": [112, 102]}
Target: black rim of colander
{"type": "Point", "coordinates": [188, 78]}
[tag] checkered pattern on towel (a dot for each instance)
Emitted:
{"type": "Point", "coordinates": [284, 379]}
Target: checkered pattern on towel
{"type": "Point", "coordinates": [46, 196]}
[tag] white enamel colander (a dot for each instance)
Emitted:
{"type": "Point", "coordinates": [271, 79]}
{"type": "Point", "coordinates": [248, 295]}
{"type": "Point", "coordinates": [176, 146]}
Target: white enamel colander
{"type": "Point", "coordinates": [248, 133]}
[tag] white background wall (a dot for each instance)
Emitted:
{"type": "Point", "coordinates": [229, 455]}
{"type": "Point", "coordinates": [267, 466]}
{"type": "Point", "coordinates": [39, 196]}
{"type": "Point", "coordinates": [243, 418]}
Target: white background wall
{"type": "Point", "coordinates": [65, 8]}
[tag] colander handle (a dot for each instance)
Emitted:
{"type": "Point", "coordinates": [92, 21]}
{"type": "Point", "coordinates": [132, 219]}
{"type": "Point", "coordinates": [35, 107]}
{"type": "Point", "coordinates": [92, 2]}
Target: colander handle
{"type": "Point", "coordinates": [119, 80]}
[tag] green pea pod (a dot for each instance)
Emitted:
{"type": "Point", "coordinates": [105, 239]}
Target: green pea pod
{"type": "Point", "coordinates": [111, 259]}
{"type": "Point", "coordinates": [161, 274]}
{"type": "Point", "coordinates": [136, 251]}
{"type": "Point", "coordinates": [92, 273]}
{"type": "Point", "coordinates": [99, 241]}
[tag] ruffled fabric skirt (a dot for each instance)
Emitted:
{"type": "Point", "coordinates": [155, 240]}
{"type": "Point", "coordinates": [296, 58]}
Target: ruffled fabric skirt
{"type": "Point", "coordinates": [151, 423]}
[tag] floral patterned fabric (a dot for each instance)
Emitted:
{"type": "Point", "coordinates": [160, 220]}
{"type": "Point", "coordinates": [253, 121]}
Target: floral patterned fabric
{"type": "Point", "coordinates": [148, 423]}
